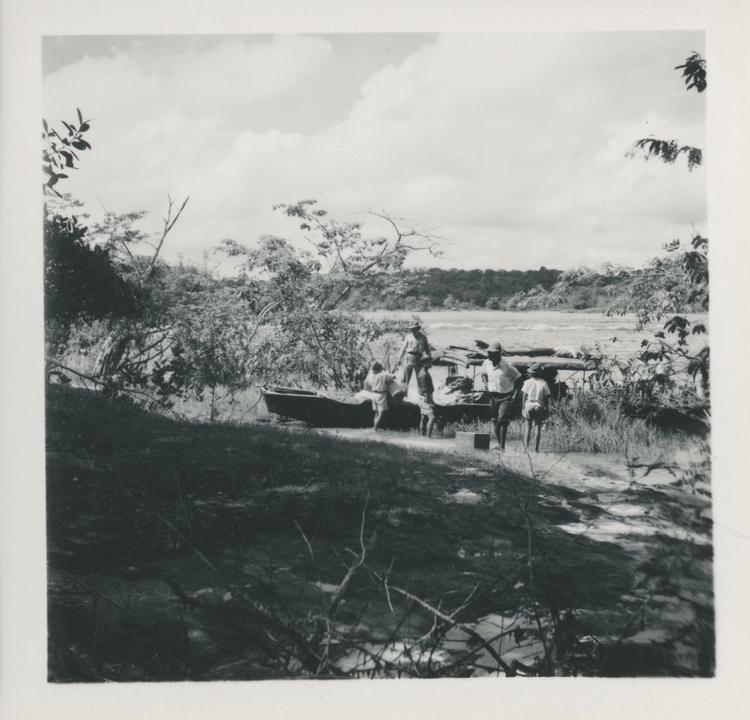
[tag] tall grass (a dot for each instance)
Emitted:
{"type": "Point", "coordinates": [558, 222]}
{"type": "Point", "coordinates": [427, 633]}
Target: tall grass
{"type": "Point", "coordinates": [586, 422]}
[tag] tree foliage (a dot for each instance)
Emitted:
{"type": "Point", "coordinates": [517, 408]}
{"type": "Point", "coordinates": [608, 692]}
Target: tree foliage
{"type": "Point", "coordinates": [694, 72]}
{"type": "Point", "coordinates": [668, 151]}
{"type": "Point", "coordinates": [351, 259]}
{"type": "Point", "coordinates": [308, 337]}
{"type": "Point", "coordinates": [61, 148]}
{"type": "Point", "coordinates": [81, 280]}
{"type": "Point", "coordinates": [667, 287]}
{"type": "Point", "coordinates": [674, 283]}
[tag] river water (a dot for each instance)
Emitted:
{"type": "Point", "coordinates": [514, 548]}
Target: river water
{"type": "Point", "coordinates": [617, 335]}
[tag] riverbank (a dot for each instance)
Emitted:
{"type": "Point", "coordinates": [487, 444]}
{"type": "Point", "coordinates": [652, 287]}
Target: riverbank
{"type": "Point", "coordinates": [188, 551]}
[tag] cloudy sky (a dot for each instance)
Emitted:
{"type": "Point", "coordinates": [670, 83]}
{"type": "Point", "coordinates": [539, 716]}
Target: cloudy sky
{"type": "Point", "coordinates": [510, 146]}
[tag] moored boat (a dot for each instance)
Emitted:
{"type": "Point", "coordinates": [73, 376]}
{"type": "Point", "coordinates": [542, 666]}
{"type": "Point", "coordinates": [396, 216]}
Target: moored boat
{"type": "Point", "coordinates": [322, 411]}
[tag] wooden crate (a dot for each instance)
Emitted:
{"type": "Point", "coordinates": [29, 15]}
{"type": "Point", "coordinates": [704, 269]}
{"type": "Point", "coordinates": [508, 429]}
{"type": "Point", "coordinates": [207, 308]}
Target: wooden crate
{"type": "Point", "coordinates": [478, 441]}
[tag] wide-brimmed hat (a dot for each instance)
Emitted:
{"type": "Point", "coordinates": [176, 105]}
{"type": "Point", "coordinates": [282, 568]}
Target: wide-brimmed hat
{"type": "Point", "coordinates": [496, 347]}
{"type": "Point", "coordinates": [534, 369]}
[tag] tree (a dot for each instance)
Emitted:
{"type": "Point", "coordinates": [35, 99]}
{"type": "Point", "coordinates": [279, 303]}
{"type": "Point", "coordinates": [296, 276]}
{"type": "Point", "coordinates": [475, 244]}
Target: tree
{"type": "Point", "coordinates": [81, 282]}
{"type": "Point", "coordinates": [352, 259]}
{"type": "Point", "coordinates": [160, 331]}
{"type": "Point", "coordinates": [211, 346]}
{"type": "Point", "coordinates": [677, 283]}
{"type": "Point", "coordinates": [694, 72]}
{"type": "Point", "coordinates": [308, 337]}
{"type": "Point", "coordinates": [153, 307]}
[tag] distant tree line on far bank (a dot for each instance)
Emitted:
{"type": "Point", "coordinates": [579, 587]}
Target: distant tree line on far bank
{"type": "Point", "coordinates": [605, 288]}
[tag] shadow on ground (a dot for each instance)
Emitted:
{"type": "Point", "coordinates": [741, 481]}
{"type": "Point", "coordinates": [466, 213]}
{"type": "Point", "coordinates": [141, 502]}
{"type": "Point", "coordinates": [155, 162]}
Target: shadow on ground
{"type": "Point", "coordinates": [185, 551]}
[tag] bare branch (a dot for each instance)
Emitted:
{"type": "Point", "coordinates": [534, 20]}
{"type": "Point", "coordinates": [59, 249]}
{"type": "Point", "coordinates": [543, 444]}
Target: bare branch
{"type": "Point", "coordinates": [169, 223]}
{"type": "Point", "coordinates": [339, 594]}
{"type": "Point", "coordinates": [460, 626]}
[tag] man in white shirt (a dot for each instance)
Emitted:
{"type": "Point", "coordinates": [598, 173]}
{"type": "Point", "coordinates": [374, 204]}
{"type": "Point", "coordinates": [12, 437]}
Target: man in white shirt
{"type": "Point", "coordinates": [536, 394]}
{"type": "Point", "coordinates": [500, 379]}
{"type": "Point", "coordinates": [376, 385]}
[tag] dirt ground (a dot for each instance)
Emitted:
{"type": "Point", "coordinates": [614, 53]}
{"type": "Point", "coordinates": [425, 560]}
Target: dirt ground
{"type": "Point", "coordinates": [184, 551]}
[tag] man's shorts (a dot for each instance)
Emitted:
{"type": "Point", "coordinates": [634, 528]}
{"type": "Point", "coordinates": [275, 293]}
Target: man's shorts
{"type": "Point", "coordinates": [500, 407]}
{"type": "Point", "coordinates": [534, 411]}
{"type": "Point", "coordinates": [426, 407]}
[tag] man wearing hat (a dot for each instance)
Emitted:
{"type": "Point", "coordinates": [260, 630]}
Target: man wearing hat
{"type": "Point", "coordinates": [535, 392]}
{"type": "Point", "coordinates": [416, 345]}
{"type": "Point", "coordinates": [500, 378]}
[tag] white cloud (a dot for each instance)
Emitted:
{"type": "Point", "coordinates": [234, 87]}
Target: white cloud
{"type": "Point", "coordinates": [512, 144]}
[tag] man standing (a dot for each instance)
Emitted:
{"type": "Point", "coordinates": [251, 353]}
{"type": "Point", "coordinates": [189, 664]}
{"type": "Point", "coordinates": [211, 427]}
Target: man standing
{"type": "Point", "coordinates": [415, 347]}
{"type": "Point", "coordinates": [426, 402]}
{"type": "Point", "coordinates": [376, 384]}
{"type": "Point", "coordinates": [535, 392]}
{"type": "Point", "coordinates": [500, 378]}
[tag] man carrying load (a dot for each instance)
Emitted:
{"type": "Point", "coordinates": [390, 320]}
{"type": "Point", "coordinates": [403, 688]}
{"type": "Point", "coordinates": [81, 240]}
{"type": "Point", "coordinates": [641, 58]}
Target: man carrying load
{"type": "Point", "coordinates": [500, 379]}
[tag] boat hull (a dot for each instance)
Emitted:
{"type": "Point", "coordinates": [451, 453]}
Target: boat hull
{"type": "Point", "coordinates": [321, 411]}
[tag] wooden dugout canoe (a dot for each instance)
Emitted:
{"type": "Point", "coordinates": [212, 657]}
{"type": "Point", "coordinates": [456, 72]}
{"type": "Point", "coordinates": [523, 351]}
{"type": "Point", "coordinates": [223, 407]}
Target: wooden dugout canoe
{"type": "Point", "coordinates": [321, 411]}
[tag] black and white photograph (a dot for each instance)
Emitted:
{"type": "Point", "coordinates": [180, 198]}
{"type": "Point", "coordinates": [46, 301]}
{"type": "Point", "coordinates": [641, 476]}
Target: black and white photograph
{"type": "Point", "coordinates": [379, 355]}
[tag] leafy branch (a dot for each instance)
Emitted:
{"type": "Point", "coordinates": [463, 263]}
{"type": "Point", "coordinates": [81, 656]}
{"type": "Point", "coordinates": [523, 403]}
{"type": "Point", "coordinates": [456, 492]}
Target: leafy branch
{"type": "Point", "coordinates": [668, 151]}
{"type": "Point", "coordinates": [59, 155]}
{"type": "Point", "coordinates": [694, 72]}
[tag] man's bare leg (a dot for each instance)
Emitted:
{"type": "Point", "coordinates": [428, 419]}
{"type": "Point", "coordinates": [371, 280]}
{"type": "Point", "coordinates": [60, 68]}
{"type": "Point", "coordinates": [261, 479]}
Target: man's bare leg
{"type": "Point", "coordinates": [498, 434]}
{"type": "Point", "coordinates": [503, 434]}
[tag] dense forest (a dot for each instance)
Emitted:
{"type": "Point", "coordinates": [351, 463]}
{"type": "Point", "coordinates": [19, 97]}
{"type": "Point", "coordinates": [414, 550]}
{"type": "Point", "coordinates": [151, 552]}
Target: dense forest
{"type": "Point", "coordinates": [428, 288]}
{"type": "Point", "coordinates": [435, 288]}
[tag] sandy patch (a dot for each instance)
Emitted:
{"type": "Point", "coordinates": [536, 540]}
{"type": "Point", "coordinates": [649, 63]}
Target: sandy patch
{"type": "Point", "coordinates": [465, 496]}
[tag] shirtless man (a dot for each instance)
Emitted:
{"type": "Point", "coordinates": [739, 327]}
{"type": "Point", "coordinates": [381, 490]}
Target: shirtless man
{"type": "Point", "coordinates": [415, 346]}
